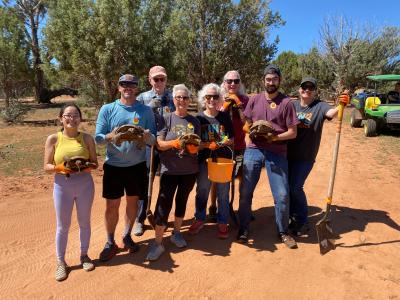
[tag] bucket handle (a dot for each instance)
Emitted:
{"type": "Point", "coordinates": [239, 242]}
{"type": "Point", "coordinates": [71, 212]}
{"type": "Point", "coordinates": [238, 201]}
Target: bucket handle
{"type": "Point", "coordinates": [233, 154]}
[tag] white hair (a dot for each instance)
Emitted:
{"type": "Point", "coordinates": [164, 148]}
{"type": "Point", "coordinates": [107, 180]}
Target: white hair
{"type": "Point", "coordinates": [241, 90]}
{"type": "Point", "coordinates": [180, 87]}
{"type": "Point", "coordinates": [203, 92]}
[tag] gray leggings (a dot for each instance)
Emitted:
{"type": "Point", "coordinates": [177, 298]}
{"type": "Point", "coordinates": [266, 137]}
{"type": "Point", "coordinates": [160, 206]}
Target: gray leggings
{"type": "Point", "coordinates": [79, 187]}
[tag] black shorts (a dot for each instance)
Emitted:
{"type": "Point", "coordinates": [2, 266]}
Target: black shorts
{"type": "Point", "coordinates": [120, 180]}
{"type": "Point", "coordinates": [237, 171]}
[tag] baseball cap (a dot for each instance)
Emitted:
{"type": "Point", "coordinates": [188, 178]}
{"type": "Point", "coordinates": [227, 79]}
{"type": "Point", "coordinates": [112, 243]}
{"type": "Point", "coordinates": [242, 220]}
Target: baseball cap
{"type": "Point", "coordinates": [128, 78]}
{"type": "Point", "coordinates": [157, 71]}
{"type": "Point", "coordinates": [272, 69]}
{"type": "Point", "coordinates": [309, 79]}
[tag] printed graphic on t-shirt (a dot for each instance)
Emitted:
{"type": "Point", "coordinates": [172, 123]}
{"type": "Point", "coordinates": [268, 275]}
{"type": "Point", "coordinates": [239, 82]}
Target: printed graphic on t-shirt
{"type": "Point", "coordinates": [213, 133]}
{"type": "Point", "coordinates": [135, 120]}
{"type": "Point", "coordinates": [305, 119]}
{"type": "Point", "coordinates": [182, 129]}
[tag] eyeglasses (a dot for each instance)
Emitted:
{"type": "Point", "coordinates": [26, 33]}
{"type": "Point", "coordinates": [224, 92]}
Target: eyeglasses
{"type": "Point", "coordinates": [185, 98]}
{"type": "Point", "coordinates": [128, 85]}
{"type": "Point", "coordinates": [309, 87]}
{"type": "Point", "coordinates": [70, 117]}
{"type": "Point", "coordinates": [160, 79]}
{"type": "Point", "coordinates": [230, 81]}
{"type": "Point", "coordinates": [211, 97]}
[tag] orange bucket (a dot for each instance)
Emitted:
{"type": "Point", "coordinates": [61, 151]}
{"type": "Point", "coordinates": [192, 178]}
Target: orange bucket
{"type": "Point", "coordinates": [220, 171]}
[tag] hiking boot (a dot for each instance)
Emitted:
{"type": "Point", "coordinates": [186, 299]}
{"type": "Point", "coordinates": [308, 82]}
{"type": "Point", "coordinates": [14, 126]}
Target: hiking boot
{"type": "Point", "coordinates": [212, 213]}
{"type": "Point", "coordinates": [61, 271]}
{"type": "Point", "coordinates": [177, 239]}
{"type": "Point", "coordinates": [288, 241]}
{"type": "Point", "coordinates": [108, 252]}
{"type": "Point", "coordinates": [223, 231]}
{"type": "Point", "coordinates": [155, 251]}
{"type": "Point", "coordinates": [129, 244]}
{"type": "Point", "coordinates": [196, 227]}
{"type": "Point", "coordinates": [243, 236]}
{"type": "Point", "coordinates": [87, 263]}
{"type": "Point", "coordinates": [138, 229]}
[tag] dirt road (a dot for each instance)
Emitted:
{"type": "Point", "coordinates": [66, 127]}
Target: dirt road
{"type": "Point", "coordinates": [365, 265]}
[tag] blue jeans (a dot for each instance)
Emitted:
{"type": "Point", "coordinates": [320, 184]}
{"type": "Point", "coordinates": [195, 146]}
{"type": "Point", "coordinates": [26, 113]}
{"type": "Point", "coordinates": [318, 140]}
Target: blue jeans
{"type": "Point", "coordinates": [277, 170]}
{"type": "Point", "coordinates": [202, 192]}
{"type": "Point", "coordinates": [298, 173]}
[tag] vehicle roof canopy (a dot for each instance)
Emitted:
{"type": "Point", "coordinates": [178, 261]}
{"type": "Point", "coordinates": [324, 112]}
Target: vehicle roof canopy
{"type": "Point", "coordinates": [385, 77]}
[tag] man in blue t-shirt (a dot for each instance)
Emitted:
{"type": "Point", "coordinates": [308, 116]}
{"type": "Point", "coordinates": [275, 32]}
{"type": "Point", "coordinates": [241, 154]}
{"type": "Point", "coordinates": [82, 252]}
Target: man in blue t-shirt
{"type": "Point", "coordinates": [125, 169]}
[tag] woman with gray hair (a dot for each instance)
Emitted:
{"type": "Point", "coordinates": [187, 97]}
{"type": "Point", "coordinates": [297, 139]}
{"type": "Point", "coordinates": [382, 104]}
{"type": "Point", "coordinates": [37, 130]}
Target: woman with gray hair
{"type": "Point", "coordinates": [178, 170]}
{"type": "Point", "coordinates": [216, 133]}
{"type": "Point", "coordinates": [234, 103]}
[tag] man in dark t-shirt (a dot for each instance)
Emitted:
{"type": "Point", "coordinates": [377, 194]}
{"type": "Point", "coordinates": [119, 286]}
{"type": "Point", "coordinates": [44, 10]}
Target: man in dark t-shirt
{"type": "Point", "coordinates": [278, 109]}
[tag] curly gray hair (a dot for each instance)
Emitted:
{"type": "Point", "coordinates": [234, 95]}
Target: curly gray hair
{"type": "Point", "coordinates": [204, 90]}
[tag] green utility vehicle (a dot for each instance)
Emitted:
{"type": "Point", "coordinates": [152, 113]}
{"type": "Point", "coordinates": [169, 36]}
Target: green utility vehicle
{"type": "Point", "coordinates": [376, 111]}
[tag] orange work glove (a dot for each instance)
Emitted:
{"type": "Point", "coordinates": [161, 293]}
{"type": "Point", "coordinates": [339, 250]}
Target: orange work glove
{"type": "Point", "coordinates": [192, 149]}
{"type": "Point", "coordinates": [235, 99]}
{"type": "Point", "coordinates": [226, 104]}
{"type": "Point", "coordinates": [60, 168]}
{"type": "Point", "coordinates": [175, 144]}
{"type": "Point", "coordinates": [344, 98]}
{"type": "Point", "coordinates": [213, 146]}
{"type": "Point", "coordinates": [246, 127]}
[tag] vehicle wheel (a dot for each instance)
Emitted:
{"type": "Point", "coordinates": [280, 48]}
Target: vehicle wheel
{"type": "Point", "coordinates": [355, 118]}
{"type": "Point", "coordinates": [370, 128]}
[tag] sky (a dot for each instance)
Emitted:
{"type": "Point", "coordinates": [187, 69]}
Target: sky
{"type": "Point", "coordinates": [305, 17]}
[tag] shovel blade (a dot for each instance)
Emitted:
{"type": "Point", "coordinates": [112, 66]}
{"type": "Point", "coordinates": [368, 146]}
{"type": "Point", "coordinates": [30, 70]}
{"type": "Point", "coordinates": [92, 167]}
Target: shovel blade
{"type": "Point", "coordinates": [150, 218]}
{"type": "Point", "coordinates": [326, 237]}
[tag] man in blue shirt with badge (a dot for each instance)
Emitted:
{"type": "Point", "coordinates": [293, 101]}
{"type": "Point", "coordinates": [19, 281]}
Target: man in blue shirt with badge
{"type": "Point", "coordinates": [125, 170]}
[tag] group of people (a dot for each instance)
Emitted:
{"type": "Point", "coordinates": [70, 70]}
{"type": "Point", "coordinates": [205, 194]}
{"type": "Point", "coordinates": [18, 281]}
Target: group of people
{"type": "Point", "coordinates": [223, 126]}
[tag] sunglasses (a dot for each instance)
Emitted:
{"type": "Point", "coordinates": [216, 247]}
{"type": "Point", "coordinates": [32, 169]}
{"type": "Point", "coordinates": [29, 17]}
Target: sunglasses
{"type": "Point", "coordinates": [161, 79]}
{"type": "Point", "coordinates": [128, 85]}
{"type": "Point", "coordinates": [309, 87]}
{"type": "Point", "coordinates": [211, 97]}
{"type": "Point", "coordinates": [185, 98]}
{"type": "Point", "coordinates": [230, 81]}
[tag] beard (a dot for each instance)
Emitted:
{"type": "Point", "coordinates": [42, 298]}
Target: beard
{"type": "Point", "coordinates": [270, 89]}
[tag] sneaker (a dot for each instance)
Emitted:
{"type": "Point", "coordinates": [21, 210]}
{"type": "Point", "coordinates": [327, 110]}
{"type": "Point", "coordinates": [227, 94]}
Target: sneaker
{"type": "Point", "coordinates": [177, 239]}
{"type": "Point", "coordinates": [61, 271]}
{"type": "Point", "coordinates": [87, 263]}
{"type": "Point", "coordinates": [212, 213]}
{"type": "Point", "coordinates": [243, 236]}
{"type": "Point", "coordinates": [155, 251]}
{"type": "Point", "coordinates": [196, 227]}
{"type": "Point", "coordinates": [223, 231]}
{"type": "Point", "coordinates": [288, 241]}
{"type": "Point", "coordinates": [108, 252]}
{"type": "Point", "coordinates": [301, 230]}
{"type": "Point", "coordinates": [138, 229]}
{"type": "Point", "coordinates": [129, 244]}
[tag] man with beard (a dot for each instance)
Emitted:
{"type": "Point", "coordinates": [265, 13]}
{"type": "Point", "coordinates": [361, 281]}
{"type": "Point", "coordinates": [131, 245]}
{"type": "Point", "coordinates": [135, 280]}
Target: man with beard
{"type": "Point", "coordinates": [270, 152]}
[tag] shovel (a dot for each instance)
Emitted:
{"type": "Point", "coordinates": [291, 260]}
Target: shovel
{"type": "Point", "coordinates": [326, 237]}
{"type": "Point", "coordinates": [149, 214]}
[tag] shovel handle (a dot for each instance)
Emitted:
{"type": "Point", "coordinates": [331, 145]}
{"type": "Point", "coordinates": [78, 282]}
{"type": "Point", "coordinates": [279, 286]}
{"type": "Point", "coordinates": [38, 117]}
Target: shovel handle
{"type": "Point", "coordinates": [151, 175]}
{"type": "Point", "coordinates": [335, 153]}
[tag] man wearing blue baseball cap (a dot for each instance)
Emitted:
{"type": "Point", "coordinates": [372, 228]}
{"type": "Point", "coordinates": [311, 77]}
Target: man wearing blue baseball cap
{"type": "Point", "coordinates": [125, 170]}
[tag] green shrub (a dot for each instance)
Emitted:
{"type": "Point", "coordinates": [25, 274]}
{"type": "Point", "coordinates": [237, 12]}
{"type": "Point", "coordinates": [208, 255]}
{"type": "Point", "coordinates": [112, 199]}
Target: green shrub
{"type": "Point", "coordinates": [15, 111]}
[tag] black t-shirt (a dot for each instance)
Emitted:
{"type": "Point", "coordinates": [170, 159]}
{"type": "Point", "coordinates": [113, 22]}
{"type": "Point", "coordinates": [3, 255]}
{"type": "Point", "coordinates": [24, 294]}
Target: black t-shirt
{"type": "Point", "coordinates": [306, 145]}
{"type": "Point", "coordinates": [215, 129]}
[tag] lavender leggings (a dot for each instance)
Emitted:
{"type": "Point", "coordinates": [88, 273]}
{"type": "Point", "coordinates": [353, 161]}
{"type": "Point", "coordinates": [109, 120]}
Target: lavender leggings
{"type": "Point", "coordinates": [78, 187]}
